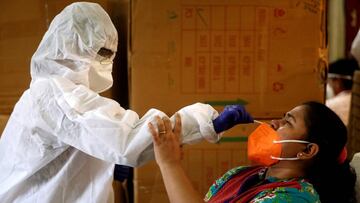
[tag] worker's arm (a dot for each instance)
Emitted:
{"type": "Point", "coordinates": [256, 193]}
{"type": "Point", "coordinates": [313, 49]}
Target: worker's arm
{"type": "Point", "coordinates": [101, 128]}
{"type": "Point", "coordinates": [167, 154]}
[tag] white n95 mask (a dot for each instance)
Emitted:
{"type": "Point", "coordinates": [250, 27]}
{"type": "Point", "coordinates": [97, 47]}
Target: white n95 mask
{"type": "Point", "coordinates": [100, 77]}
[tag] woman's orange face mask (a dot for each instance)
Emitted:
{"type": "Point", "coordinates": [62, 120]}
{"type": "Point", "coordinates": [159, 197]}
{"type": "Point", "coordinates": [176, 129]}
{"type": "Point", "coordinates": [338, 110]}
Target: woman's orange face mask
{"type": "Point", "coordinates": [264, 146]}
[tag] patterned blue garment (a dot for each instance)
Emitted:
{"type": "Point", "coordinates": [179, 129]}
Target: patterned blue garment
{"type": "Point", "coordinates": [306, 193]}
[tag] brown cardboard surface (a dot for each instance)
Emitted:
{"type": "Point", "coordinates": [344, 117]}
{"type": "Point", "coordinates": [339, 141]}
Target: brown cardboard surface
{"type": "Point", "coordinates": [22, 25]}
{"type": "Point", "coordinates": [3, 121]}
{"type": "Point", "coordinates": [266, 54]}
{"type": "Point", "coordinates": [203, 163]}
{"type": "Point", "coordinates": [269, 55]}
{"type": "Point", "coordinates": [120, 192]}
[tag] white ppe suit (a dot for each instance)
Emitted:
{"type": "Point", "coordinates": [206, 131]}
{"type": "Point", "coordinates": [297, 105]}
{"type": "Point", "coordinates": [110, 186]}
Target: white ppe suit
{"type": "Point", "coordinates": [62, 140]}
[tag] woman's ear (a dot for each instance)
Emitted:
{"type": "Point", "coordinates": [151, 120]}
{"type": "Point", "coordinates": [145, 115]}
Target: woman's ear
{"type": "Point", "coordinates": [311, 150]}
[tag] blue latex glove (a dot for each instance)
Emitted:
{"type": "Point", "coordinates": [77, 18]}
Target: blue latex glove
{"type": "Point", "coordinates": [121, 172]}
{"type": "Point", "coordinates": [232, 115]}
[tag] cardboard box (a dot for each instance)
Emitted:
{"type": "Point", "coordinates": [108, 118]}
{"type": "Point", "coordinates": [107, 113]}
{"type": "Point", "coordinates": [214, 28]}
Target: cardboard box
{"type": "Point", "coordinates": [203, 163]}
{"type": "Point", "coordinates": [3, 121]}
{"type": "Point", "coordinates": [270, 55]}
{"type": "Point", "coordinates": [22, 26]}
{"type": "Point", "coordinates": [120, 192]}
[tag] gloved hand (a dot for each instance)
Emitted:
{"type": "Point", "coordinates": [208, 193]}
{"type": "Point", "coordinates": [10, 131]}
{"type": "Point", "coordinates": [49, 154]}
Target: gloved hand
{"type": "Point", "coordinates": [232, 115]}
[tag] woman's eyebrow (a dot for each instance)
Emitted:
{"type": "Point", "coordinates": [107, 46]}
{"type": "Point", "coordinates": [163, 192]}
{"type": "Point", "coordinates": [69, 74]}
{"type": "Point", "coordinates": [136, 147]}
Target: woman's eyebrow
{"type": "Point", "coordinates": [291, 116]}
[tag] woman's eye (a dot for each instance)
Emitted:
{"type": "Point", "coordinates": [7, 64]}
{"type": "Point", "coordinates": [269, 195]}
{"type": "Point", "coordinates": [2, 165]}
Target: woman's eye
{"type": "Point", "coordinates": [288, 122]}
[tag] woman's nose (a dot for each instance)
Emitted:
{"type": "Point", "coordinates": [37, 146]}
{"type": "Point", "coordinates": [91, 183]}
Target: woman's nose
{"type": "Point", "coordinates": [276, 124]}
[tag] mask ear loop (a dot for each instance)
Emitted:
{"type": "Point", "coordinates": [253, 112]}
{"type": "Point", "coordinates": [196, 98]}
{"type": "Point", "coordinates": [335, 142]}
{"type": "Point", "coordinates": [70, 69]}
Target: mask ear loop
{"type": "Point", "coordinates": [284, 159]}
{"type": "Point", "coordinates": [288, 141]}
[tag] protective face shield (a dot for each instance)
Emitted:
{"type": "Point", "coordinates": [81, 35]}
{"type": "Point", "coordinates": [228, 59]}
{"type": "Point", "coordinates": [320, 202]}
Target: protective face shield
{"type": "Point", "coordinates": [264, 146]}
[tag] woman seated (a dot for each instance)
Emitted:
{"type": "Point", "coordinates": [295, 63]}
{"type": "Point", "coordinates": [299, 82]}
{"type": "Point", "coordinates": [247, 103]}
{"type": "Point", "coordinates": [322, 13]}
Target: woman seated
{"type": "Point", "coordinates": [299, 158]}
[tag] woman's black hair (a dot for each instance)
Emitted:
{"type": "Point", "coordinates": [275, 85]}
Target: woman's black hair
{"type": "Point", "coordinates": [334, 181]}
